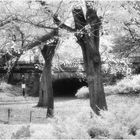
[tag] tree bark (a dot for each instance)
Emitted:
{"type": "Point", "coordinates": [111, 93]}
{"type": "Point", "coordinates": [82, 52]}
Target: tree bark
{"type": "Point", "coordinates": [95, 84]}
{"type": "Point", "coordinates": [45, 86]}
{"type": "Point", "coordinates": [46, 91]}
{"type": "Point", "coordinates": [36, 84]}
{"type": "Point", "coordinates": [88, 39]}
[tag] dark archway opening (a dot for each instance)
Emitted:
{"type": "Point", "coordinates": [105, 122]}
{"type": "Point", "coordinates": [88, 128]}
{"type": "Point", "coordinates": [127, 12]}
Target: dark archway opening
{"type": "Point", "coordinates": [67, 87]}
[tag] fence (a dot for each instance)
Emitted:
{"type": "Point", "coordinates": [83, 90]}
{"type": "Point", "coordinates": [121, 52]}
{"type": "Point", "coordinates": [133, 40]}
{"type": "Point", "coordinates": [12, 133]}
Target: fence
{"type": "Point", "coordinates": [19, 116]}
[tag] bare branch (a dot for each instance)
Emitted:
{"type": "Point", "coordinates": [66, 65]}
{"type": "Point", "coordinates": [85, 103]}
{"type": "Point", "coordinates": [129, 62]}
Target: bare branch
{"type": "Point", "coordinates": [22, 35]}
{"type": "Point", "coordinates": [42, 39]}
{"type": "Point", "coordinates": [7, 20]}
{"type": "Point", "coordinates": [59, 7]}
{"type": "Point", "coordinates": [130, 31]}
{"type": "Point", "coordinates": [35, 24]}
{"type": "Point", "coordinates": [62, 25]}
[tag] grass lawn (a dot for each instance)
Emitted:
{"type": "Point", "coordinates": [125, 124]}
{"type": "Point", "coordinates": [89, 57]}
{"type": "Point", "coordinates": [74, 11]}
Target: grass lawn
{"type": "Point", "coordinates": [73, 118]}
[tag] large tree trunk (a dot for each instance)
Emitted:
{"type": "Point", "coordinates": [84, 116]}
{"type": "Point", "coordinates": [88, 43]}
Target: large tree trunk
{"type": "Point", "coordinates": [46, 86]}
{"type": "Point", "coordinates": [42, 96]}
{"type": "Point", "coordinates": [94, 78]}
{"type": "Point", "coordinates": [88, 39]}
{"type": "Point", "coordinates": [46, 91]}
{"type": "Point", "coordinates": [36, 84]}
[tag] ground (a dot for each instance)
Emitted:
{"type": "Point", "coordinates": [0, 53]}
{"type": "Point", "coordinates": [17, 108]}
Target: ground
{"type": "Point", "coordinates": [73, 118]}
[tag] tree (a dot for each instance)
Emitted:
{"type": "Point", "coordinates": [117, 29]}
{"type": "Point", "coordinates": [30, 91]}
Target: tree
{"type": "Point", "coordinates": [87, 34]}
{"type": "Point", "coordinates": [89, 43]}
{"type": "Point", "coordinates": [35, 29]}
{"type": "Point", "coordinates": [46, 91]}
{"type": "Point", "coordinates": [128, 42]}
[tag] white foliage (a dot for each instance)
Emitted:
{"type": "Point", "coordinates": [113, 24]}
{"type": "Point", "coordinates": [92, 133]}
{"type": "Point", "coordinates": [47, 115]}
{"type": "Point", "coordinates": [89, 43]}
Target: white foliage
{"type": "Point", "coordinates": [43, 131]}
{"type": "Point", "coordinates": [82, 92]}
{"type": "Point", "coordinates": [77, 121]}
{"type": "Point", "coordinates": [23, 132]}
{"type": "Point", "coordinates": [128, 85]}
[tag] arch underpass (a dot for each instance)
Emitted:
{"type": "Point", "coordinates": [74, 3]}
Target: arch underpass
{"type": "Point", "coordinates": [67, 87]}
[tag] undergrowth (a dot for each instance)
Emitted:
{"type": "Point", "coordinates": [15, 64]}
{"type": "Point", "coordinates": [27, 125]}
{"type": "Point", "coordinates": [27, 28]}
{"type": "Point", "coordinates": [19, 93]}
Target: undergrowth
{"type": "Point", "coordinates": [12, 89]}
{"type": "Point", "coordinates": [128, 86]}
{"type": "Point", "coordinates": [123, 123]}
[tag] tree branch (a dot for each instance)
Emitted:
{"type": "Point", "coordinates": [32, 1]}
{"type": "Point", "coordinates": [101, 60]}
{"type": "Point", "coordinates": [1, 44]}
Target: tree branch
{"type": "Point", "coordinates": [42, 39]}
{"type": "Point", "coordinates": [21, 34]}
{"type": "Point", "coordinates": [62, 25]}
{"type": "Point", "coordinates": [130, 31]}
{"type": "Point", "coordinates": [35, 24]}
{"type": "Point", "coordinates": [7, 20]}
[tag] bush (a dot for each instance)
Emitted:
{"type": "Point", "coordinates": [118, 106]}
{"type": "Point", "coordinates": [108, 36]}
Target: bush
{"type": "Point", "coordinates": [128, 85]}
{"type": "Point", "coordinates": [7, 88]}
{"type": "Point", "coordinates": [120, 123]}
{"type": "Point", "coordinates": [82, 92]}
{"type": "Point", "coordinates": [23, 132]}
{"type": "Point", "coordinates": [96, 132]}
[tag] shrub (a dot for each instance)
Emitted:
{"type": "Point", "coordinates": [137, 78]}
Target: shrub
{"type": "Point", "coordinates": [7, 88]}
{"type": "Point", "coordinates": [109, 90]}
{"type": "Point", "coordinates": [70, 128]}
{"type": "Point", "coordinates": [82, 92]}
{"type": "Point", "coordinates": [123, 123]}
{"type": "Point", "coordinates": [23, 132]}
{"type": "Point", "coordinates": [4, 86]}
{"type": "Point", "coordinates": [96, 132]}
{"type": "Point", "coordinates": [120, 123]}
{"type": "Point", "coordinates": [128, 85]}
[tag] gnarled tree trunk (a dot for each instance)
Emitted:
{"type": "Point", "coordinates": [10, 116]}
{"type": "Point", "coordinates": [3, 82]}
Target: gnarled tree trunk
{"type": "Point", "coordinates": [36, 84]}
{"type": "Point", "coordinates": [46, 90]}
{"type": "Point", "coordinates": [88, 39]}
{"type": "Point", "coordinates": [45, 86]}
{"type": "Point", "coordinates": [94, 78]}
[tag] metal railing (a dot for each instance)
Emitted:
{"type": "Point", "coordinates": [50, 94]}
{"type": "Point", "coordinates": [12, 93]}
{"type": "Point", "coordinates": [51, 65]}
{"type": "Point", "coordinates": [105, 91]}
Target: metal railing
{"type": "Point", "coordinates": [22, 116]}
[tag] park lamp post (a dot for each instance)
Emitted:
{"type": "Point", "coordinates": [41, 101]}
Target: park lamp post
{"type": "Point", "coordinates": [36, 66]}
{"type": "Point", "coordinates": [23, 85]}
